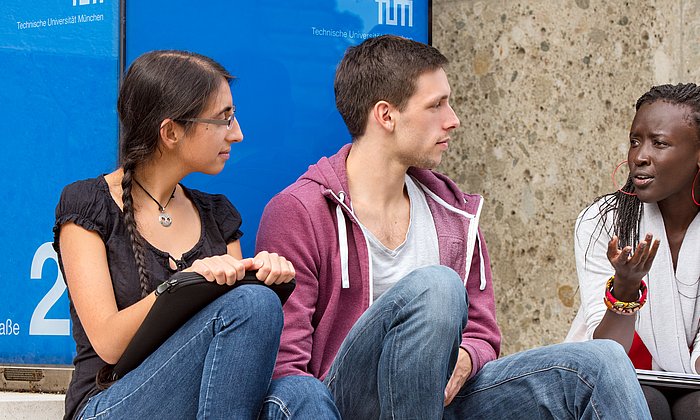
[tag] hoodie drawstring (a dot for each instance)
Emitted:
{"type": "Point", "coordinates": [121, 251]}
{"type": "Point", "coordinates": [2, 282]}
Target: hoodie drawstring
{"type": "Point", "coordinates": [482, 269]}
{"type": "Point", "coordinates": [475, 240]}
{"type": "Point", "coordinates": [342, 241]}
{"type": "Point", "coordinates": [472, 234]}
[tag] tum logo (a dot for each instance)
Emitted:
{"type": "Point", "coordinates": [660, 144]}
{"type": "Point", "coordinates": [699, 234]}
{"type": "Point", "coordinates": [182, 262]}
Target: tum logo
{"type": "Point", "coordinates": [86, 2]}
{"type": "Point", "coordinates": [390, 15]}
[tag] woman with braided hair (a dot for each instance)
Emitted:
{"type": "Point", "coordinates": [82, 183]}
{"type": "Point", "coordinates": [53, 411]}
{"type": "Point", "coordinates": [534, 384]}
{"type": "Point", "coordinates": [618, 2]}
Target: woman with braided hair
{"type": "Point", "coordinates": [641, 292]}
{"type": "Point", "coordinates": [120, 235]}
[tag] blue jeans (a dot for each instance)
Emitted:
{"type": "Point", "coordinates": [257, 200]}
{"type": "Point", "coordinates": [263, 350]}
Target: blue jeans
{"type": "Point", "coordinates": [397, 359]}
{"type": "Point", "coordinates": [398, 353]}
{"type": "Point", "coordinates": [217, 365]}
{"type": "Point", "coordinates": [589, 380]}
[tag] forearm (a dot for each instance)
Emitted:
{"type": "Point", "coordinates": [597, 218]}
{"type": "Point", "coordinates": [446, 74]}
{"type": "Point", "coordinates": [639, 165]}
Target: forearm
{"type": "Point", "coordinates": [110, 336]}
{"type": "Point", "coordinates": [91, 290]}
{"type": "Point", "coordinates": [617, 327]}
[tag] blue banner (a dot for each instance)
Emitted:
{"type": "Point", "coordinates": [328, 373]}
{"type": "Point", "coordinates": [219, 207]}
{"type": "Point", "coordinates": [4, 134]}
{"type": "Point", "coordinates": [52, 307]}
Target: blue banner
{"type": "Point", "coordinates": [58, 84]}
{"type": "Point", "coordinates": [58, 87]}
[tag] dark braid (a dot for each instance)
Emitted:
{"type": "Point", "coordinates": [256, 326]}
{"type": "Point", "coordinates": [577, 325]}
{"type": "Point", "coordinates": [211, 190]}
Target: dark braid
{"type": "Point", "coordinates": [158, 85]}
{"type": "Point", "coordinates": [627, 209]}
{"type": "Point", "coordinates": [626, 213]}
{"type": "Point", "coordinates": [131, 227]}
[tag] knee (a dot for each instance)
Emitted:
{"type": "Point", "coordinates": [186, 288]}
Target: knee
{"type": "Point", "coordinates": [440, 291]}
{"type": "Point", "coordinates": [605, 352]}
{"type": "Point", "coordinates": [258, 303]}
{"type": "Point", "coordinates": [299, 397]}
{"type": "Point", "coordinates": [303, 387]}
{"type": "Point", "coordinates": [657, 402]}
{"type": "Point", "coordinates": [687, 406]}
{"type": "Point", "coordinates": [607, 359]}
{"type": "Point", "coordinates": [441, 285]}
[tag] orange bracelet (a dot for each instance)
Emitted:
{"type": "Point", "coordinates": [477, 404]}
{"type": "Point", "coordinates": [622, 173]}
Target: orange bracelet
{"type": "Point", "coordinates": [620, 307]}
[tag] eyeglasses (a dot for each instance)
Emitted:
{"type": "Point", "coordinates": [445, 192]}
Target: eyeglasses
{"type": "Point", "coordinates": [228, 122]}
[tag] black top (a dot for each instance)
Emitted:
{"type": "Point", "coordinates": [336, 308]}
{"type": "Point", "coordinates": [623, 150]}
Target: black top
{"type": "Point", "coordinates": [89, 204]}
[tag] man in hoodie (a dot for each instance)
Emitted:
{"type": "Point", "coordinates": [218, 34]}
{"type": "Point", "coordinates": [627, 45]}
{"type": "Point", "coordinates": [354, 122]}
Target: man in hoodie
{"type": "Point", "coordinates": [394, 306]}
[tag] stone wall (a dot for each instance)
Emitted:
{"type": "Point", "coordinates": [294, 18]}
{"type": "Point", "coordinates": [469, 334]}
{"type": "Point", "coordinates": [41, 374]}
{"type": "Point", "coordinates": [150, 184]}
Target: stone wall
{"type": "Point", "coordinates": [545, 91]}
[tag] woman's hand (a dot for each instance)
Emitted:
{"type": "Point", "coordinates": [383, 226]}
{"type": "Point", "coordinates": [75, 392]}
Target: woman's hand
{"type": "Point", "coordinates": [222, 269]}
{"type": "Point", "coordinates": [273, 268]}
{"type": "Point", "coordinates": [631, 268]}
{"type": "Point", "coordinates": [227, 269]}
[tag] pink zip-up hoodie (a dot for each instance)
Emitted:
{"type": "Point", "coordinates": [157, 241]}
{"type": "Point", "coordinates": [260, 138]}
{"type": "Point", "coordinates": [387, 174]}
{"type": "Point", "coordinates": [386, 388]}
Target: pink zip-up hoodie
{"type": "Point", "coordinates": [311, 224]}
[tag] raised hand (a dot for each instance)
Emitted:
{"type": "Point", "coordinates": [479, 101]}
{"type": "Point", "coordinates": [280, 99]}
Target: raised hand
{"type": "Point", "coordinates": [630, 267]}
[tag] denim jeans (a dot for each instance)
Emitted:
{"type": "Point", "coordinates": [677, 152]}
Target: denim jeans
{"type": "Point", "coordinates": [397, 359]}
{"type": "Point", "coordinates": [398, 353]}
{"type": "Point", "coordinates": [217, 365]}
{"type": "Point", "coordinates": [588, 380]}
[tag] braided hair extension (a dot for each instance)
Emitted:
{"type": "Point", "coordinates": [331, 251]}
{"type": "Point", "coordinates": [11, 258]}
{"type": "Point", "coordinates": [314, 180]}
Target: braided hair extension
{"type": "Point", "coordinates": [627, 209]}
{"type": "Point", "coordinates": [158, 85]}
{"type": "Point", "coordinates": [130, 222]}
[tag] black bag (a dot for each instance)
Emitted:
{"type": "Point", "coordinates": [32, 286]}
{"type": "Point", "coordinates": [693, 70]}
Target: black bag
{"type": "Point", "coordinates": [178, 299]}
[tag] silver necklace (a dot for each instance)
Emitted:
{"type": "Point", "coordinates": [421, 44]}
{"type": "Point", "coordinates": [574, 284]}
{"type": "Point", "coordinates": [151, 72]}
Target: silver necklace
{"type": "Point", "coordinates": [164, 218]}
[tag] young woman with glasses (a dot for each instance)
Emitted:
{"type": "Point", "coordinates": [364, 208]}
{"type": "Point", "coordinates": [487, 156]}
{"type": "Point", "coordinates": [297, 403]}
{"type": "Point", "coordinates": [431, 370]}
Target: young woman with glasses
{"type": "Point", "coordinates": [118, 236]}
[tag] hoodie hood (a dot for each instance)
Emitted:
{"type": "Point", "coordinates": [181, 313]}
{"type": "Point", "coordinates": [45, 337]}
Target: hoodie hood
{"type": "Point", "coordinates": [331, 176]}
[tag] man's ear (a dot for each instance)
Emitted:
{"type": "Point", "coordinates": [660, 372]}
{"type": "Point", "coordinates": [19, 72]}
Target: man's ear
{"type": "Point", "coordinates": [170, 133]}
{"type": "Point", "coordinates": [382, 114]}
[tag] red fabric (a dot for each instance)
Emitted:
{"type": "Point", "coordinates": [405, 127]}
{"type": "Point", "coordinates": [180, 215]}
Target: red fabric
{"type": "Point", "coordinates": [639, 355]}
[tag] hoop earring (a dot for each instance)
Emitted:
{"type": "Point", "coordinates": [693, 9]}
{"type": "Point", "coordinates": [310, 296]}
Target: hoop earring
{"type": "Point", "coordinates": [692, 191]}
{"type": "Point", "coordinates": [634, 194]}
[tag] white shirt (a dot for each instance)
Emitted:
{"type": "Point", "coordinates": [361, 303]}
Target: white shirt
{"type": "Point", "coordinates": [669, 322]}
{"type": "Point", "coordinates": [419, 248]}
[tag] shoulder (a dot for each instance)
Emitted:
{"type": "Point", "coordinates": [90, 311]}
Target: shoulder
{"type": "Point", "coordinates": [85, 189]}
{"type": "Point", "coordinates": [598, 209]}
{"type": "Point", "coordinates": [87, 204]}
{"type": "Point", "coordinates": [596, 220]}
{"type": "Point", "coordinates": [87, 197]}
{"type": "Point", "coordinates": [209, 201]}
{"type": "Point", "coordinates": [302, 199]}
{"type": "Point", "coordinates": [301, 207]}
{"type": "Point", "coordinates": [217, 212]}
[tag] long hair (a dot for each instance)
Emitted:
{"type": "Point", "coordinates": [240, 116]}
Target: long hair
{"type": "Point", "coordinates": [626, 210]}
{"type": "Point", "coordinates": [158, 85]}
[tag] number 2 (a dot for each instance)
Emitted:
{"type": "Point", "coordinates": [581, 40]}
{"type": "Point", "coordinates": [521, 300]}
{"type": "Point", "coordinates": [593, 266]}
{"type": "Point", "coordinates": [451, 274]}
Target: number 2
{"type": "Point", "coordinates": [39, 324]}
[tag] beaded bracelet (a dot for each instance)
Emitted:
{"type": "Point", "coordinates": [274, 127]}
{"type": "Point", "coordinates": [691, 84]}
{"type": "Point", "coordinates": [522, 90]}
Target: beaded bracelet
{"type": "Point", "coordinates": [624, 308]}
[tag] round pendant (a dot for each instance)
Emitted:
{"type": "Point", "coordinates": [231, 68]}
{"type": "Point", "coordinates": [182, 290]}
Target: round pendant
{"type": "Point", "coordinates": [165, 220]}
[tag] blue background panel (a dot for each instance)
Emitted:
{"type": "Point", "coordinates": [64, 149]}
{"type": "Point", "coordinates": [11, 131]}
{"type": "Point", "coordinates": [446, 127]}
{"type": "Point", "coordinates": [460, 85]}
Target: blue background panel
{"type": "Point", "coordinates": [58, 85]}
{"type": "Point", "coordinates": [58, 88]}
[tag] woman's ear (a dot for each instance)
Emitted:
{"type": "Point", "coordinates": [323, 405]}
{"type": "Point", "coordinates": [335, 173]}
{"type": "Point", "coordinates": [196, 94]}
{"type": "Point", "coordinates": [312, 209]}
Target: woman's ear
{"type": "Point", "coordinates": [382, 113]}
{"type": "Point", "coordinates": [170, 133]}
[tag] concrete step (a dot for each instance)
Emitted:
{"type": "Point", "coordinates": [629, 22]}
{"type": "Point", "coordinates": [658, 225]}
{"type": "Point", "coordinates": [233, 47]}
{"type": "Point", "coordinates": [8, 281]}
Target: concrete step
{"type": "Point", "coordinates": [31, 406]}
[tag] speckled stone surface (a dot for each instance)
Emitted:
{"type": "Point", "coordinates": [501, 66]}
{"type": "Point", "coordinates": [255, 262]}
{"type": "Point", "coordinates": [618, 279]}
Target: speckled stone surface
{"type": "Point", "coordinates": [545, 91]}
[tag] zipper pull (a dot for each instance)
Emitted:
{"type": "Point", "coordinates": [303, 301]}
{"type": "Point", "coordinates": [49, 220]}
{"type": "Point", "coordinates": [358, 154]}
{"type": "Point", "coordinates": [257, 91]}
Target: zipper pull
{"type": "Point", "coordinates": [165, 286]}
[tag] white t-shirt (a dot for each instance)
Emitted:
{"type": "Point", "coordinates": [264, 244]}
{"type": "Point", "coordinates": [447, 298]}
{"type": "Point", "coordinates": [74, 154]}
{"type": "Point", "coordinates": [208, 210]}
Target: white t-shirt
{"type": "Point", "coordinates": [419, 248]}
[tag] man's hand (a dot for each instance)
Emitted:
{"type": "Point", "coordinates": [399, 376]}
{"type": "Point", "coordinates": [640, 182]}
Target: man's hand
{"type": "Point", "coordinates": [463, 369]}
